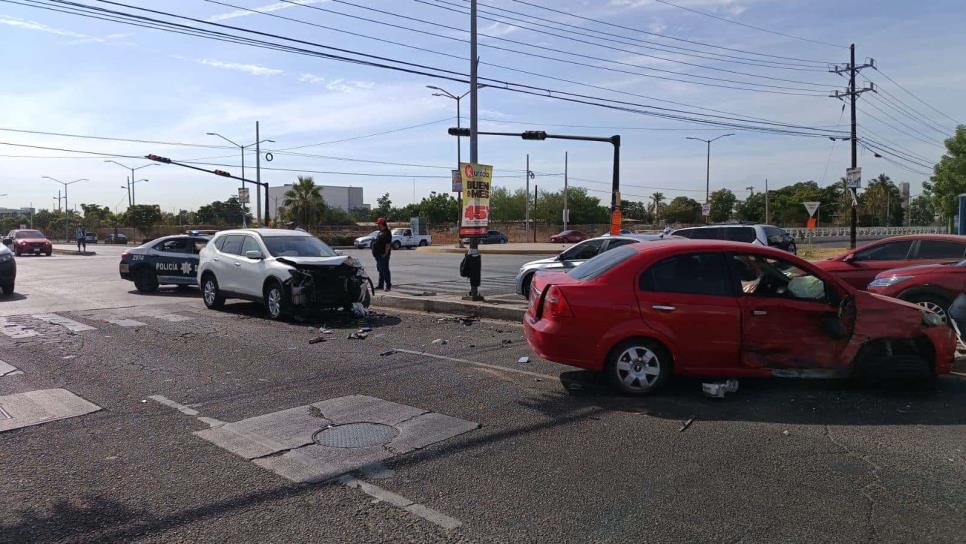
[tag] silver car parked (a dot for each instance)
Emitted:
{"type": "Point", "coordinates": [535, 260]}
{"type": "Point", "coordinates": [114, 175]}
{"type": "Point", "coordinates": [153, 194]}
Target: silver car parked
{"type": "Point", "coordinates": [577, 254]}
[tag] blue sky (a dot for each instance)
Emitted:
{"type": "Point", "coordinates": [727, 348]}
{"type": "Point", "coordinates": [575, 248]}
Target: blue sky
{"type": "Point", "coordinates": [68, 74]}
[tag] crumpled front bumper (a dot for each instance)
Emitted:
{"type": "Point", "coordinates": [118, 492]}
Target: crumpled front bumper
{"type": "Point", "coordinates": [329, 287]}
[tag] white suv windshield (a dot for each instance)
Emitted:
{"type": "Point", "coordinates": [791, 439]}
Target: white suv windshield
{"type": "Point", "coordinates": [297, 246]}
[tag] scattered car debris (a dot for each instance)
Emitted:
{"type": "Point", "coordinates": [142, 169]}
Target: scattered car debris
{"type": "Point", "coordinates": [717, 390]}
{"type": "Point", "coordinates": [426, 294]}
{"type": "Point", "coordinates": [507, 341]}
{"type": "Point", "coordinates": [387, 353]}
{"type": "Point", "coordinates": [324, 330]}
{"type": "Point", "coordinates": [686, 425]}
{"type": "Point", "coordinates": [358, 309]}
{"type": "Point", "coordinates": [317, 339]}
{"type": "Point", "coordinates": [365, 329]}
{"type": "Point", "coordinates": [523, 359]}
{"type": "Point", "coordinates": [357, 336]}
{"type": "Point", "coordinates": [785, 433]}
{"type": "Point", "coordinates": [439, 342]}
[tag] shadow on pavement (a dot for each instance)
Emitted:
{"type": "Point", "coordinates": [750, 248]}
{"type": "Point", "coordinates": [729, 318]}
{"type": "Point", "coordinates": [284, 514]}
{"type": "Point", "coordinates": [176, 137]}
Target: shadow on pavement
{"type": "Point", "coordinates": [13, 296]}
{"type": "Point", "coordinates": [171, 292]}
{"type": "Point", "coordinates": [331, 319]}
{"type": "Point", "coordinates": [806, 402]}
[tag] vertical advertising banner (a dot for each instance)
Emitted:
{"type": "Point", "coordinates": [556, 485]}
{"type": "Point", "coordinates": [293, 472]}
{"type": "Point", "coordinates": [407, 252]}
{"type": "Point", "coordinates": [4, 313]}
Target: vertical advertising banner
{"type": "Point", "coordinates": [477, 180]}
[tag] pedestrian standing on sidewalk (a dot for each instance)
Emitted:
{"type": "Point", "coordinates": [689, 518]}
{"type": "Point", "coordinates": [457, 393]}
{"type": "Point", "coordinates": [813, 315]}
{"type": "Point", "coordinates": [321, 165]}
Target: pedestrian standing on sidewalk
{"type": "Point", "coordinates": [381, 249]}
{"type": "Point", "coordinates": [81, 238]}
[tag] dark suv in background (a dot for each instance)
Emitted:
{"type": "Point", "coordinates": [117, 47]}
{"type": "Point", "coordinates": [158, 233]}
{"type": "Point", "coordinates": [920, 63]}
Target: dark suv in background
{"type": "Point", "coordinates": [765, 235]}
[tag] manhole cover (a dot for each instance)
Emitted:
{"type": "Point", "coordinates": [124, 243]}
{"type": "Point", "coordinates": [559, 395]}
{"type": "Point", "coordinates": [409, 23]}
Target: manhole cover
{"type": "Point", "coordinates": [355, 435]}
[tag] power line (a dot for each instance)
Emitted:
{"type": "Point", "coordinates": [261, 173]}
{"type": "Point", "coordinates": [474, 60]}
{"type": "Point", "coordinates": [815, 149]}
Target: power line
{"type": "Point", "coordinates": [746, 25]}
{"type": "Point", "coordinates": [920, 136]}
{"type": "Point", "coordinates": [412, 68]}
{"type": "Point", "coordinates": [910, 93]}
{"type": "Point", "coordinates": [380, 133]}
{"type": "Point", "coordinates": [883, 97]}
{"type": "Point", "coordinates": [766, 88]}
{"type": "Point", "coordinates": [895, 163]}
{"type": "Point", "coordinates": [133, 140]}
{"type": "Point", "coordinates": [628, 40]}
{"type": "Point", "coordinates": [519, 22]}
{"type": "Point", "coordinates": [667, 36]}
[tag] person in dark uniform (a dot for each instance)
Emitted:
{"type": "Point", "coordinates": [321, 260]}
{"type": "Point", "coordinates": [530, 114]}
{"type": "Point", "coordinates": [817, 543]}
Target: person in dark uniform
{"type": "Point", "coordinates": [381, 248]}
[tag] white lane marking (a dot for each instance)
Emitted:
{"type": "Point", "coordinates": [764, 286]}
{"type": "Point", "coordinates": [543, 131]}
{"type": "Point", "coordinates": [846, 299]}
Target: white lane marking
{"type": "Point", "coordinates": [475, 363]}
{"type": "Point", "coordinates": [126, 322]}
{"type": "Point", "coordinates": [14, 330]}
{"type": "Point", "coordinates": [7, 369]}
{"type": "Point", "coordinates": [172, 404]}
{"type": "Point", "coordinates": [399, 501]}
{"type": "Point", "coordinates": [69, 324]}
{"type": "Point", "coordinates": [174, 318]}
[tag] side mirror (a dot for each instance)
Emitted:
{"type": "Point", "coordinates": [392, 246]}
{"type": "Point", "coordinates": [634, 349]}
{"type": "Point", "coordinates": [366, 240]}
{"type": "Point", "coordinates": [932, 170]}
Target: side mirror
{"type": "Point", "coordinates": [850, 258]}
{"type": "Point", "coordinates": [253, 254]}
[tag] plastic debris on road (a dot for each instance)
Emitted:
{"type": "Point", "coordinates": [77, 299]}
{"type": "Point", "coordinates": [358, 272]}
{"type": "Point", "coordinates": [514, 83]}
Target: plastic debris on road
{"type": "Point", "coordinates": [365, 329]}
{"type": "Point", "coordinates": [439, 342]}
{"type": "Point", "coordinates": [324, 330]}
{"type": "Point", "coordinates": [317, 339]}
{"type": "Point", "coordinates": [717, 390]}
{"type": "Point", "coordinates": [357, 336]}
{"type": "Point", "coordinates": [386, 353]}
{"type": "Point", "coordinates": [358, 309]}
{"type": "Point", "coordinates": [522, 360]}
{"type": "Point", "coordinates": [686, 424]}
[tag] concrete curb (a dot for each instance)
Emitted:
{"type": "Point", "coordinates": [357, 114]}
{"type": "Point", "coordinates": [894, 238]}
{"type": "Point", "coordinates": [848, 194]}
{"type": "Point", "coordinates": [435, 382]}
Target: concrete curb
{"type": "Point", "coordinates": [455, 307]}
{"type": "Point", "coordinates": [496, 249]}
{"type": "Point", "coordinates": [58, 251]}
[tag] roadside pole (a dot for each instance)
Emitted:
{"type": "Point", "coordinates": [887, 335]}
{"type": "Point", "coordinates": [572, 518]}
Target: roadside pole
{"type": "Point", "coordinates": [566, 212]}
{"type": "Point", "coordinates": [526, 201]}
{"type": "Point", "coordinates": [474, 130]}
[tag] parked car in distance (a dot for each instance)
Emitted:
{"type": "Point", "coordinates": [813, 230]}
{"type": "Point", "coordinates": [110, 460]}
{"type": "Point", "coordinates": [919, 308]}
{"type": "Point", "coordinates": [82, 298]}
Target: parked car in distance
{"type": "Point", "coordinates": [491, 237]}
{"type": "Point", "coordinates": [403, 237]}
{"type": "Point", "coordinates": [643, 312]}
{"type": "Point", "coordinates": [860, 266]}
{"type": "Point", "coordinates": [8, 270]}
{"type": "Point", "coordinates": [568, 237]}
{"type": "Point", "coordinates": [366, 241]}
{"type": "Point", "coordinates": [576, 255]}
{"type": "Point", "coordinates": [765, 235]}
{"type": "Point", "coordinates": [28, 241]}
{"type": "Point", "coordinates": [286, 270]}
{"type": "Point", "coordinates": [169, 260]}
{"type": "Point", "coordinates": [90, 238]}
{"type": "Point", "coordinates": [119, 238]}
{"type": "Point", "coordinates": [932, 286]}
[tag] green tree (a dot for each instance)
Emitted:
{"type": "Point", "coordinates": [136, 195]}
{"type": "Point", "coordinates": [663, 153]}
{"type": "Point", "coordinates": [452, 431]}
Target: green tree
{"type": "Point", "coordinates": [722, 205]}
{"type": "Point", "coordinates": [143, 216]}
{"type": "Point", "coordinates": [304, 202]}
{"type": "Point", "coordinates": [683, 210]}
{"type": "Point", "coordinates": [95, 215]}
{"type": "Point", "coordinates": [635, 210]}
{"type": "Point", "coordinates": [383, 207]}
{"type": "Point", "coordinates": [506, 205]}
{"type": "Point", "coordinates": [921, 211]}
{"type": "Point", "coordinates": [656, 207]}
{"type": "Point", "coordinates": [949, 175]}
{"type": "Point", "coordinates": [752, 209]}
{"type": "Point", "coordinates": [879, 203]}
{"type": "Point", "coordinates": [439, 208]}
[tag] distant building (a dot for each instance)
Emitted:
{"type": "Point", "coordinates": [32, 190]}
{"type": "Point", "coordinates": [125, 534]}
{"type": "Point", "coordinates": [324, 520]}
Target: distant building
{"type": "Point", "coordinates": [6, 212]}
{"type": "Point", "coordinates": [346, 198]}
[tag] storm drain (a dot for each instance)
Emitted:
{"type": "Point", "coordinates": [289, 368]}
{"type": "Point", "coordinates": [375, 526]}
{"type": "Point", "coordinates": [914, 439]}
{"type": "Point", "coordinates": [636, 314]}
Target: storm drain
{"type": "Point", "coordinates": [355, 435]}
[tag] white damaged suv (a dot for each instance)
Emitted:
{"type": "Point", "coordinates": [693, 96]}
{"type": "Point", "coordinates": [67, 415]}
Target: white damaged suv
{"type": "Point", "coordinates": [286, 270]}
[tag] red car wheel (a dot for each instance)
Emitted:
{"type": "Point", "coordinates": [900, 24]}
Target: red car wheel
{"type": "Point", "coordinates": [638, 366]}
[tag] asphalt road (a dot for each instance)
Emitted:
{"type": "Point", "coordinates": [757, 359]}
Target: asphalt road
{"type": "Point", "coordinates": [778, 461]}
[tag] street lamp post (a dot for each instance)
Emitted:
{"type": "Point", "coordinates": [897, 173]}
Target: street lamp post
{"type": "Point", "coordinates": [130, 194]}
{"type": "Point", "coordinates": [459, 146]}
{"type": "Point", "coordinates": [133, 200]}
{"type": "Point", "coordinates": [258, 215]}
{"type": "Point", "coordinates": [66, 208]}
{"type": "Point", "coordinates": [707, 178]}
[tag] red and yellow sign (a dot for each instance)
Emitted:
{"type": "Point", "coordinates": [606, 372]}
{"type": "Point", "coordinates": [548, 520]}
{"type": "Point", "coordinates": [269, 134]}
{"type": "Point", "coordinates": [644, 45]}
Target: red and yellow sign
{"type": "Point", "coordinates": [477, 180]}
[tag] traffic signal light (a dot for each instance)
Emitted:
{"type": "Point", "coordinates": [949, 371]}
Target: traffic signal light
{"type": "Point", "coordinates": [534, 135]}
{"type": "Point", "coordinates": [158, 158]}
{"type": "Point", "coordinates": [459, 131]}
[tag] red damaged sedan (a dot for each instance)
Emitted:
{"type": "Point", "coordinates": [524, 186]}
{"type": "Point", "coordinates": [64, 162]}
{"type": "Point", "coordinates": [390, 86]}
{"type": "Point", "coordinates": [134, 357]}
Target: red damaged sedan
{"type": "Point", "coordinates": [644, 312]}
{"type": "Point", "coordinates": [28, 242]}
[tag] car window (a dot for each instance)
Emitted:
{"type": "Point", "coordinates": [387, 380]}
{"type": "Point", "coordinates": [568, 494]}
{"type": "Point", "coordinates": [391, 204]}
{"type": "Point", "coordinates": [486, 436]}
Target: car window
{"type": "Point", "coordinates": [173, 245]}
{"type": "Point", "coordinates": [250, 245]}
{"type": "Point", "coordinates": [776, 278]}
{"type": "Point", "coordinates": [618, 242]}
{"type": "Point", "coordinates": [892, 251]}
{"type": "Point", "coordinates": [233, 244]}
{"type": "Point", "coordinates": [28, 234]}
{"type": "Point", "coordinates": [776, 236]}
{"type": "Point", "coordinates": [220, 242]}
{"type": "Point", "coordinates": [297, 246]}
{"type": "Point", "coordinates": [595, 267]}
{"type": "Point", "coordinates": [940, 249]}
{"type": "Point", "coordinates": [582, 251]}
{"type": "Point", "coordinates": [713, 233]}
{"type": "Point", "coordinates": [739, 234]}
{"type": "Point", "coordinates": [693, 273]}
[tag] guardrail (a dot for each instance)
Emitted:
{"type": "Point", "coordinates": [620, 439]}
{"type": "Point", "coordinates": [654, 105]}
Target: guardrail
{"type": "Point", "coordinates": [833, 233]}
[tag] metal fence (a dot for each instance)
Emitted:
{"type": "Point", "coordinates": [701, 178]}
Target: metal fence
{"type": "Point", "coordinates": [836, 233]}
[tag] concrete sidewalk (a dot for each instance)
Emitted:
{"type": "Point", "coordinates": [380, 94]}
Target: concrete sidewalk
{"type": "Point", "coordinates": [501, 249]}
{"type": "Point", "coordinates": [502, 307]}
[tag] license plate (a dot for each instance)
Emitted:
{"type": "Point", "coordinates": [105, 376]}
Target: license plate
{"type": "Point", "coordinates": [124, 269]}
{"type": "Point", "coordinates": [36, 251]}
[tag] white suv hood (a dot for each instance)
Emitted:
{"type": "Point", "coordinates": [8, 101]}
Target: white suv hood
{"type": "Point", "coordinates": [314, 261]}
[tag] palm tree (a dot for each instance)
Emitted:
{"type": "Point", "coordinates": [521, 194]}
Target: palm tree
{"type": "Point", "coordinates": [657, 199]}
{"type": "Point", "coordinates": [304, 201]}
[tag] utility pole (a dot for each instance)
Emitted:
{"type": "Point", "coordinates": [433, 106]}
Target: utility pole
{"type": "Point", "coordinates": [258, 178]}
{"type": "Point", "coordinates": [767, 217]}
{"type": "Point", "coordinates": [853, 95]}
{"type": "Point", "coordinates": [258, 162]}
{"type": "Point", "coordinates": [566, 212]}
{"type": "Point", "coordinates": [526, 201]}
{"type": "Point", "coordinates": [534, 211]}
{"type": "Point", "coordinates": [130, 180]}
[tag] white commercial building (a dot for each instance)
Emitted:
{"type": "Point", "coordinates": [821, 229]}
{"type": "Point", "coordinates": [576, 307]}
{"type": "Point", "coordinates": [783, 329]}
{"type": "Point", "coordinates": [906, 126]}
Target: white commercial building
{"type": "Point", "coordinates": [346, 198]}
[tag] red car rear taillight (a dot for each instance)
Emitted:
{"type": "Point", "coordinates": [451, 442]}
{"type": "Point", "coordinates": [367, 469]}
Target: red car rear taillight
{"type": "Point", "coordinates": [556, 303]}
{"type": "Point", "coordinates": [124, 256]}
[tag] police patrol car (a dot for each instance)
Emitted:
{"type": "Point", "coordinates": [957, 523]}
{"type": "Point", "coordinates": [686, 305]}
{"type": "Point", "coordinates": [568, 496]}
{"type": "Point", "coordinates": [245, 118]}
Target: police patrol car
{"type": "Point", "coordinates": [167, 260]}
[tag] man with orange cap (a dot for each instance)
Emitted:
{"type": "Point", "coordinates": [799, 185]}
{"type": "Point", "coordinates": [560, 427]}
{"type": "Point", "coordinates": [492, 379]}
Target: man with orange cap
{"type": "Point", "coordinates": [381, 248]}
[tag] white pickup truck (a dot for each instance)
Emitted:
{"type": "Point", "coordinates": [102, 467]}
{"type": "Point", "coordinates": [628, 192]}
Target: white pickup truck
{"type": "Point", "coordinates": [406, 238]}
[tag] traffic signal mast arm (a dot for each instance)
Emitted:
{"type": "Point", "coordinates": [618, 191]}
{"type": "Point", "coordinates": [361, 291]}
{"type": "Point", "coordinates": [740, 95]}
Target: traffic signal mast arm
{"type": "Point", "coordinates": [221, 173]}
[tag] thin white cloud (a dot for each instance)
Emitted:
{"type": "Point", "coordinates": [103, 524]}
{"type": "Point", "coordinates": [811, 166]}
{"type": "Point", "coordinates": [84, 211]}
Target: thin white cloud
{"type": "Point", "coordinates": [40, 27]}
{"type": "Point", "coordinates": [264, 9]}
{"type": "Point", "coordinates": [349, 85]}
{"type": "Point", "coordinates": [252, 69]}
{"type": "Point", "coordinates": [498, 29]}
{"type": "Point", "coordinates": [311, 78]}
